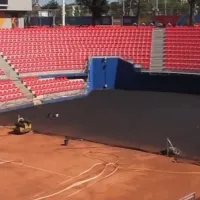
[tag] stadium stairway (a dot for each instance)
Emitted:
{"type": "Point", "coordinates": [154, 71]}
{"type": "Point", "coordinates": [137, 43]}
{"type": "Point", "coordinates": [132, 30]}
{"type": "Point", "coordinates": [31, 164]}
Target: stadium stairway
{"type": "Point", "coordinates": [157, 50]}
{"type": "Point", "coordinates": [11, 74]}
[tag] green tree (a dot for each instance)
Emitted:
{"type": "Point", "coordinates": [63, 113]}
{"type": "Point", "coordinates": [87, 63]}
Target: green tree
{"type": "Point", "coordinates": [96, 7]}
{"type": "Point", "coordinates": [131, 8]}
{"type": "Point", "coordinates": [52, 4]}
{"type": "Point", "coordinates": [34, 2]}
{"type": "Point", "coordinates": [172, 7]}
{"type": "Point", "coordinates": [138, 7]}
{"type": "Point", "coordinates": [192, 10]}
{"type": "Point", "coordinates": [116, 9]}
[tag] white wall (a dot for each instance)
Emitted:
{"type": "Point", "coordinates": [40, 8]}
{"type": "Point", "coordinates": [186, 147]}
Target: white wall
{"type": "Point", "coordinates": [19, 5]}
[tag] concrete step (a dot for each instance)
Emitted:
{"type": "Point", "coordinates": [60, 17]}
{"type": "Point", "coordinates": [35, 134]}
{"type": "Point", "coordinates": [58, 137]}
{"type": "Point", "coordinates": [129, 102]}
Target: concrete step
{"type": "Point", "coordinates": [156, 70]}
{"type": "Point", "coordinates": [157, 50]}
{"type": "Point", "coordinates": [158, 36]}
{"type": "Point", "coordinates": [37, 102]}
{"type": "Point", "coordinates": [156, 64]}
{"type": "Point", "coordinates": [157, 56]}
{"type": "Point", "coordinates": [157, 60]}
{"type": "Point", "coordinates": [23, 89]}
{"type": "Point", "coordinates": [157, 44]}
{"type": "Point", "coordinates": [157, 67]}
{"type": "Point", "coordinates": [160, 46]}
{"type": "Point", "coordinates": [11, 74]}
{"type": "Point", "coordinates": [158, 39]}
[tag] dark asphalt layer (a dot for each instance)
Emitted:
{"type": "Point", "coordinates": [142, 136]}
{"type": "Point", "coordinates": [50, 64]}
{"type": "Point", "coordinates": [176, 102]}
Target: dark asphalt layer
{"type": "Point", "coordinates": [136, 119]}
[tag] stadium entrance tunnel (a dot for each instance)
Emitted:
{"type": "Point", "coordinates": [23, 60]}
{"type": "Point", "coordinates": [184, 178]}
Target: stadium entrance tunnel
{"type": "Point", "coordinates": [132, 119]}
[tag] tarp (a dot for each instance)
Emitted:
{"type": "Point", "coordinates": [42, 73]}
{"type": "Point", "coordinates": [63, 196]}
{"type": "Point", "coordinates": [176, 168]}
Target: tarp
{"type": "Point", "coordinates": [136, 119]}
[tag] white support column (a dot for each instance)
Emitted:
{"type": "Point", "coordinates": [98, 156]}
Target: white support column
{"type": "Point", "coordinates": [63, 13]}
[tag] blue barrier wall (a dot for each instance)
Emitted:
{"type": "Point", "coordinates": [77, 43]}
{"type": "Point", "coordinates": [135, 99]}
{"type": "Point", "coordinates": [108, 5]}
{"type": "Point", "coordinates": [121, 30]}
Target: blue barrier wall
{"type": "Point", "coordinates": [112, 72]}
{"type": "Point", "coordinates": [87, 20]}
{"type": "Point", "coordinates": [116, 73]}
{"type": "Point", "coordinates": [183, 20]}
{"type": "Point", "coordinates": [128, 20]}
{"type": "Point", "coordinates": [41, 21]}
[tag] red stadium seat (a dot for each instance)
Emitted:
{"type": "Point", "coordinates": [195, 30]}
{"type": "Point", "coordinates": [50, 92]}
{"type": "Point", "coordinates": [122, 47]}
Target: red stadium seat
{"type": "Point", "coordinates": [53, 49]}
{"type": "Point", "coordinates": [182, 47]}
{"type": "Point", "coordinates": [53, 85]}
{"type": "Point", "coordinates": [9, 91]}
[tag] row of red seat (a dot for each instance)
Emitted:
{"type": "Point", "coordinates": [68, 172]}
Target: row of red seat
{"type": "Point", "coordinates": [50, 68]}
{"type": "Point", "coordinates": [76, 48]}
{"type": "Point", "coordinates": [9, 91]}
{"type": "Point", "coordinates": [182, 48]}
{"type": "Point", "coordinates": [74, 30]}
{"type": "Point", "coordinates": [128, 43]}
{"type": "Point", "coordinates": [10, 97]}
{"type": "Point", "coordinates": [81, 43]}
{"type": "Point", "coordinates": [52, 85]}
{"type": "Point", "coordinates": [81, 33]}
{"type": "Point", "coordinates": [75, 55]}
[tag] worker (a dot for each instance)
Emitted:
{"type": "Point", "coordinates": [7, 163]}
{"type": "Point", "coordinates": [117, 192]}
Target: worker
{"type": "Point", "coordinates": [66, 140]}
{"type": "Point", "coordinates": [20, 119]}
{"type": "Point", "coordinates": [14, 22]}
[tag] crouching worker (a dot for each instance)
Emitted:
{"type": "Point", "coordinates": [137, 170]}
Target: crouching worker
{"type": "Point", "coordinates": [22, 126]}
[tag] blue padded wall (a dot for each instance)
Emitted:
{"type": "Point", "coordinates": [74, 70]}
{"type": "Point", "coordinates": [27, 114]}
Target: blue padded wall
{"type": "Point", "coordinates": [113, 72]}
{"type": "Point", "coordinates": [96, 73]}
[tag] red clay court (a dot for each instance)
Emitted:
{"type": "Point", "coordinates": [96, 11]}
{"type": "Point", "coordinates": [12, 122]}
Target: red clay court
{"type": "Point", "coordinates": [41, 66]}
{"type": "Point", "coordinates": [34, 166]}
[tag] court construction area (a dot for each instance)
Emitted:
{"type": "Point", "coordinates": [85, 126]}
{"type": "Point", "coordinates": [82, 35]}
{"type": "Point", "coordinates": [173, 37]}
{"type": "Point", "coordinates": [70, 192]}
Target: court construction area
{"type": "Point", "coordinates": [36, 167]}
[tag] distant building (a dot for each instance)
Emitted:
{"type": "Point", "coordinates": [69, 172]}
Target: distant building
{"type": "Point", "coordinates": [12, 12]}
{"type": "Point", "coordinates": [76, 10]}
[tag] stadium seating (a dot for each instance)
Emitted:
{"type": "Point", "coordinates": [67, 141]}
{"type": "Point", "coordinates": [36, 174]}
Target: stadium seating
{"type": "Point", "coordinates": [53, 49]}
{"type": "Point", "coordinates": [182, 48]}
{"type": "Point", "coordinates": [9, 91]}
{"type": "Point", "coordinates": [52, 85]}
